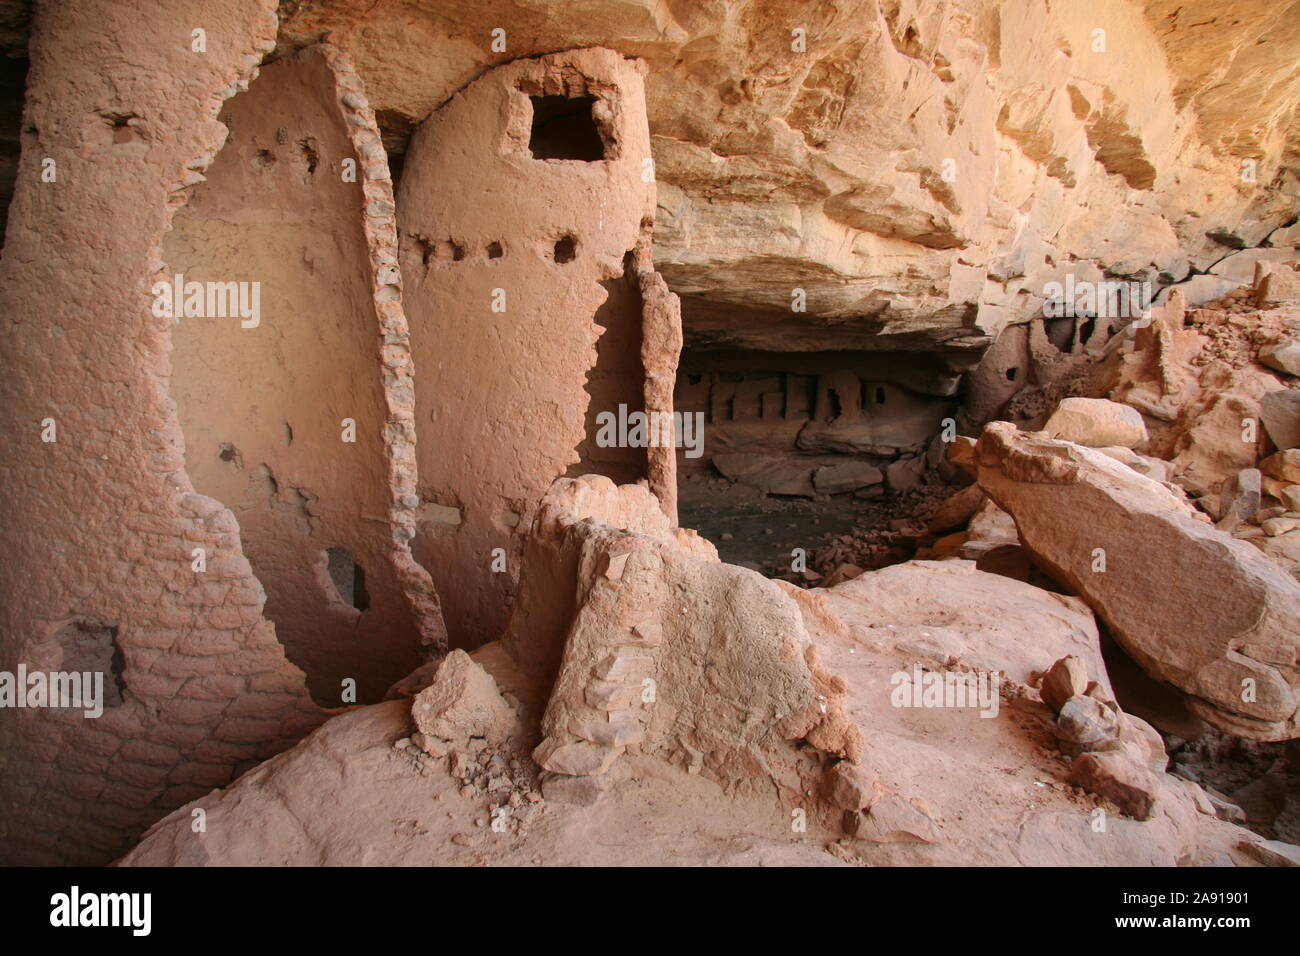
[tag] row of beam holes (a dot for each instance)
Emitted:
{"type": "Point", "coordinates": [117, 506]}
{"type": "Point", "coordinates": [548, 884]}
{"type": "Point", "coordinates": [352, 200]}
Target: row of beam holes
{"type": "Point", "coordinates": [448, 250]}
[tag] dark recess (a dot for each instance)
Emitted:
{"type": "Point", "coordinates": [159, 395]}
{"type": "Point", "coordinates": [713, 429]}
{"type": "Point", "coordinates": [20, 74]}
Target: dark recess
{"type": "Point", "coordinates": [13, 87]}
{"type": "Point", "coordinates": [563, 128]}
{"type": "Point", "coordinates": [348, 577]}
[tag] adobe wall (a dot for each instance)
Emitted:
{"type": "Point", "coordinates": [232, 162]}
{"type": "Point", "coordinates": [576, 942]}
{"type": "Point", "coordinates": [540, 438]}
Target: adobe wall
{"type": "Point", "coordinates": [502, 406]}
{"type": "Point", "coordinates": [176, 435]}
{"type": "Point", "coordinates": [98, 526]}
{"type": "Point", "coordinates": [616, 378]}
{"type": "Point", "coordinates": [266, 409]}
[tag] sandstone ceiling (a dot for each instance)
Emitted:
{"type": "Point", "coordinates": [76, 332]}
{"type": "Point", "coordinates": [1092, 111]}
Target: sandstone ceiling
{"type": "Point", "coordinates": [918, 182]}
{"type": "Point", "coordinates": [908, 171]}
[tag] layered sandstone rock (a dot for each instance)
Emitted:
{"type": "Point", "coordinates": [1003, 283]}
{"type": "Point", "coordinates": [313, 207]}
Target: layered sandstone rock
{"type": "Point", "coordinates": [920, 170]}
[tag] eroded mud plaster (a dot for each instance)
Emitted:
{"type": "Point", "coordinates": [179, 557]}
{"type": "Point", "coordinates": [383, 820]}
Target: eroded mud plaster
{"type": "Point", "coordinates": [503, 257]}
{"type": "Point", "coordinates": [173, 470]}
{"type": "Point", "coordinates": [285, 420]}
{"type": "Point", "coordinates": [100, 525]}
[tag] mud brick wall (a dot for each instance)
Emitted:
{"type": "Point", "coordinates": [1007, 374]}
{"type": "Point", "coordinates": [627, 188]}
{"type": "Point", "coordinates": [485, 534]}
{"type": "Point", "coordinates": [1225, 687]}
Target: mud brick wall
{"type": "Point", "coordinates": [99, 526]}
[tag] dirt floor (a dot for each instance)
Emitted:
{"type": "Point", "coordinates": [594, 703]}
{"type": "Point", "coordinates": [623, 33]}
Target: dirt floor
{"type": "Point", "coordinates": [760, 531]}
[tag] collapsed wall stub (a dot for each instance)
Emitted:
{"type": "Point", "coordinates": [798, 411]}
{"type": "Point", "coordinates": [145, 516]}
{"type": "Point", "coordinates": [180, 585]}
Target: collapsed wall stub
{"type": "Point", "coordinates": [100, 523]}
{"type": "Point", "coordinates": [655, 647]}
{"type": "Point", "coordinates": [1029, 363]}
{"type": "Point", "coordinates": [661, 349]}
{"type": "Point", "coordinates": [519, 197]}
{"type": "Point", "coordinates": [285, 417]}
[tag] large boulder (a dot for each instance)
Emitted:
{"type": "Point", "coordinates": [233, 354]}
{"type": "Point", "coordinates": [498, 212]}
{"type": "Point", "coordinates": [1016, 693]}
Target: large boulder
{"type": "Point", "coordinates": [1278, 285]}
{"type": "Point", "coordinates": [846, 476]}
{"type": "Point", "coordinates": [1283, 356]}
{"type": "Point", "coordinates": [1280, 412]}
{"type": "Point", "coordinates": [1285, 465]}
{"type": "Point", "coordinates": [769, 474]}
{"type": "Point", "coordinates": [1067, 678]}
{"type": "Point", "coordinates": [1193, 606]}
{"type": "Point", "coordinates": [1097, 422]}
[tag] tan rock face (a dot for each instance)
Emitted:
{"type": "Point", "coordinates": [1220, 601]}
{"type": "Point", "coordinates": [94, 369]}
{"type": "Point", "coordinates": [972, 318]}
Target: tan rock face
{"type": "Point", "coordinates": [939, 786]}
{"type": "Point", "coordinates": [236, 518]}
{"type": "Point", "coordinates": [1148, 568]}
{"type": "Point", "coordinates": [898, 161]}
{"type": "Point", "coordinates": [1096, 422]}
